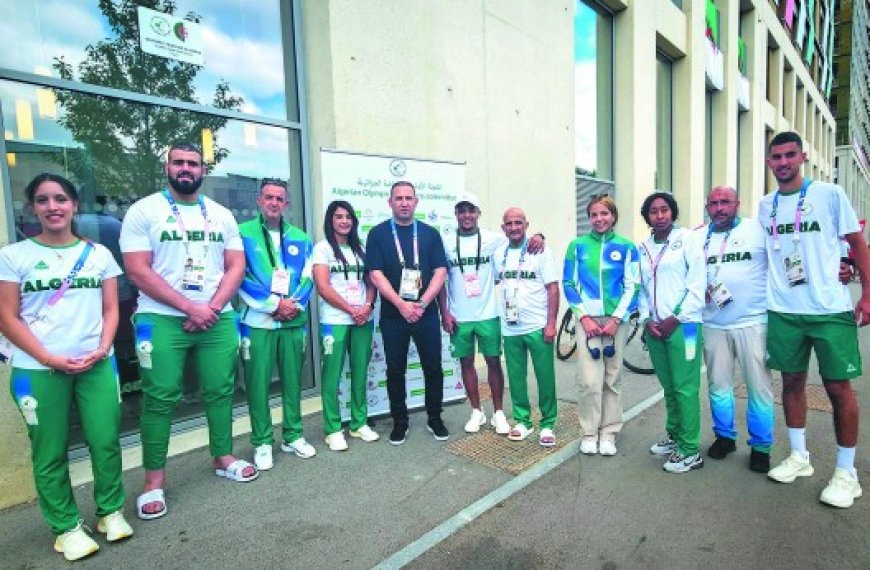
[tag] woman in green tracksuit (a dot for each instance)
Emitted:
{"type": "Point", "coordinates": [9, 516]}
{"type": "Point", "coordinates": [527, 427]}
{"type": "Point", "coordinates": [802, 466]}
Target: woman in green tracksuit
{"type": "Point", "coordinates": [347, 299]}
{"type": "Point", "coordinates": [59, 312]}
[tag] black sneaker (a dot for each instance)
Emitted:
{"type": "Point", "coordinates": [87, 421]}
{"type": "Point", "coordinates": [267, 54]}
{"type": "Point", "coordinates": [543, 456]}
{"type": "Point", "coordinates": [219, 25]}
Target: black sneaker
{"type": "Point", "coordinates": [397, 436]}
{"type": "Point", "coordinates": [721, 448]}
{"type": "Point", "coordinates": [438, 429]}
{"type": "Point", "coordinates": [759, 461]}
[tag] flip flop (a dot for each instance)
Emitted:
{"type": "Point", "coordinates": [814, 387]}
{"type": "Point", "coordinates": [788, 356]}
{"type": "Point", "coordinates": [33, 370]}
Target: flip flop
{"type": "Point", "coordinates": [235, 471]}
{"type": "Point", "coordinates": [152, 496]}
{"type": "Point", "coordinates": [547, 439]}
{"type": "Point", "coordinates": [520, 432]}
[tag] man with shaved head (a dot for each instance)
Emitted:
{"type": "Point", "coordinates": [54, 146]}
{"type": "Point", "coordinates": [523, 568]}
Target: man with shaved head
{"type": "Point", "coordinates": [528, 299]}
{"type": "Point", "coordinates": [735, 326]}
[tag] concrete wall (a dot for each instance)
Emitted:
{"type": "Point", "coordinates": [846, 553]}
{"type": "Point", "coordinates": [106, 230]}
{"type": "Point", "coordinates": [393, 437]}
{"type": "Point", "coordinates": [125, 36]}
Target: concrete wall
{"type": "Point", "coordinates": [485, 82]}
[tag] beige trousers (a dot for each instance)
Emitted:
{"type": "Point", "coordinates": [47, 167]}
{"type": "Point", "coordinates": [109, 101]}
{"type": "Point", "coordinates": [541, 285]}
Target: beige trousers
{"type": "Point", "coordinates": [599, 384]}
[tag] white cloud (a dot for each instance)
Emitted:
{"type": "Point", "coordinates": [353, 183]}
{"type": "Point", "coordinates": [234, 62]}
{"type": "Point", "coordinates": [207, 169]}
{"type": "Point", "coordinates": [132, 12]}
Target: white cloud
{"type": "Point", "coordinates": [585, 115]}
{"type": "Point", "coordinates": [258, 66]}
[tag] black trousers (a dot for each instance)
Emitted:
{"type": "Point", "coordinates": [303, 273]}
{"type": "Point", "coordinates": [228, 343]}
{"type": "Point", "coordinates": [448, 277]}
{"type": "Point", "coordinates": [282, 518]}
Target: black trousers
{"type": "Point", "coordinates": [397, 335]}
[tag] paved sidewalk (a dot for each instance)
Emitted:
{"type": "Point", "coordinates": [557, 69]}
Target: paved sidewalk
{"type": "Point", "coordinates": [355, 509]}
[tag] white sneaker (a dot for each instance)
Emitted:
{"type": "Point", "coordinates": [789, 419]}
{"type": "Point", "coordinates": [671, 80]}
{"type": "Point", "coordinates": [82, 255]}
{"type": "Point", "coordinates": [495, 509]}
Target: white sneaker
{"type": "Point", "coordinates": [366, 434]}
{"type": "Point", "coordinates": [679, 463]}
{"type": "Point", "coordinates": [667, 446]}
{"type": "Point", "coordinates": [607, 446]}
{"type": "Point", "coordinates": [477, 419]}
{"type": "Point", "coordinates": [589, 445]}
{"type": "Point", "coordinates": [500, 423]}
{"type": "Point", "coordinates": [263, 457]}
{"type": "Point", "coordinates": [300, 447]}
{"type": "Point", "coordinates": [842, 490]}
{"type": "Point", "coordinates": [336, 441]}
{"type": "Point", "coordinates": [75, 543]}
{"type": "Point", "coordinates": [794, 466]}
{"type": "Point", "coordinates": [114, 526]}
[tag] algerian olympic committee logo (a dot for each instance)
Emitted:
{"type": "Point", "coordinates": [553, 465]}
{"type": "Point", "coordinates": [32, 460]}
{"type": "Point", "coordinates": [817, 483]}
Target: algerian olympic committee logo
{"type": "Point", "coordinates": [615, 255]}
{"type": "Point", "coordinates": [292, 250]}
{"type": "Point", "coordinates": [398, 167]}
{"type": "Point", "coordinates": [160, 25]}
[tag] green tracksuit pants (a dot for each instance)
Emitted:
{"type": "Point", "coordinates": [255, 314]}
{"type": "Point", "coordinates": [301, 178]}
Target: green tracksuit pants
{"type": "Point", "coordinates": [339, 342]}
{"type": "Point", "coordinates": [516, 352]}
{"type": "Point", "coordinates": [285, 346]}
{"type": "Point", "coordinates": [214, 352]}
{"type": "Point", "coordinates": [45, 398]}
{"type": "Point", "coordinates": [677, 362]}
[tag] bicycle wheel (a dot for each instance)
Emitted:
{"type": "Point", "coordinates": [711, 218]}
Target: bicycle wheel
{"type": "Point", "coordinates": [636, 355]}
{"type": "Point", "coordinates": [566, 338]}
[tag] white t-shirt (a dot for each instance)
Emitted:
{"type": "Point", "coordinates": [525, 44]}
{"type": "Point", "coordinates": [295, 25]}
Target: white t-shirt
{"type": "Point", "coordinates": [526, 283]}
{"type": "Point", "coordinates": [680, 279]}
{"type": "Point", "coordinates": [323, 255]}
{"type": "Point", "coordinates": [73, 326]}
{"type": "Point", "coordinates": [742, 270]}
{"type": "Point", "coordinates": [827, 216]}
{"type": "Point", "coordinates": [151, 226]}
{"type": "Point", "coordinates": [483, 306]}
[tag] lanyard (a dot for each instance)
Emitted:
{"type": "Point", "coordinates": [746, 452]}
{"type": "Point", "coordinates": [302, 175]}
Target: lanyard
{"type": "Point", "coordinates": [68, 280]}
{"type": "Point", "coordinates": [268, 239]}
{"type": "Point", "coordinates": [519, 264]}
{"type": "Point", "coordinates": [358, 262]}
{"type": "Point", "coordinates": [476, 259]}
{"type": "Point", "coordinates": [399, 245]}
{"type": "Point", "coordinates": [796, 236]}
{"type": "Point", "coordinates": [175, 212]}
{"type": "Point", "coordinates": [718, 264]}
{"type": "Point", "coordinates": [655, 267]}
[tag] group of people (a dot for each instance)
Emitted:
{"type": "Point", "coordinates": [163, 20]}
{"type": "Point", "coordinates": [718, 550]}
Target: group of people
{"type": "Point", "coordinates": [715, 291]}
{"type": "Point", "coordinates": [759, 294]}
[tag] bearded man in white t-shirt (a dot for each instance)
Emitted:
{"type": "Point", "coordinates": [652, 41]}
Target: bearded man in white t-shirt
{"type": "Point", "coordinates": [810, 310]}
{"type": "Point", "coordinates": [735, 326]}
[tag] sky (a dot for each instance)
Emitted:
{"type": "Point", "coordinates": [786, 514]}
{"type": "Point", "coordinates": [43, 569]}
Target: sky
{"type": "Point", "coordinates": [585, 122]}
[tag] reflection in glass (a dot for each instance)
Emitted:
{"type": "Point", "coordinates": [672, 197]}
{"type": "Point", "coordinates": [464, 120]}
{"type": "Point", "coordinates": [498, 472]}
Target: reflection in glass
{"type": "Point", "coordinates": [593, 92]}
{"type": "Point", "coordinates": [98, 43]}
{"type": "Point", "coordinates": [110, 177]}
{"type": "Point", "coordinates": [664, 123]}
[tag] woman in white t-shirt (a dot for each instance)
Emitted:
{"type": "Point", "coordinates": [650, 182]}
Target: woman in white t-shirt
{"type": "Point", "coordinates": [347, 300]}
{"type": "Point", "coordinates": [59, 312]}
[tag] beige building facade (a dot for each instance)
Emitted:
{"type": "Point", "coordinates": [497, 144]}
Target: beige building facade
{"type": "Point", "coordinates": [543, 102]}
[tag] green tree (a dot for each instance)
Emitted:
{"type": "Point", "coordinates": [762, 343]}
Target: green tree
{"type": "Point", "coordinates": [124, 141]}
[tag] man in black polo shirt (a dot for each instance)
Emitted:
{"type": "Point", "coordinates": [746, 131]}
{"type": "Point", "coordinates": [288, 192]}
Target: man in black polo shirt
{"type": "Point", "coordinates": [408, 266]}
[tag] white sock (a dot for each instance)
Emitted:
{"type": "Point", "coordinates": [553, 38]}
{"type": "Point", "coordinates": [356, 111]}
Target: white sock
{"type": "Point", "coordinates": [846, 459]}
{"type": "Point", "coordinates": [797, 438]}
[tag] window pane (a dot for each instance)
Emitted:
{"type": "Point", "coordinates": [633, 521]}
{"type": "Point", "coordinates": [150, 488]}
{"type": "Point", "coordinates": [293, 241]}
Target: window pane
{"type": "Point", "coordinates": [112, 150]}
{"type": "Point", "coordinates": [593, 92]}
{"type": "Point", "coordinates": [664, 124]}
{"type": "Point", "coordinates": [241, 43]}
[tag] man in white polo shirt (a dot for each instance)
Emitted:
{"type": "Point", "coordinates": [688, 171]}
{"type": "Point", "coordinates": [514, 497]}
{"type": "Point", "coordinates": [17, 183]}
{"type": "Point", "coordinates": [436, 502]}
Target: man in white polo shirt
{"type": "Point", "coordinates": [735, 326]}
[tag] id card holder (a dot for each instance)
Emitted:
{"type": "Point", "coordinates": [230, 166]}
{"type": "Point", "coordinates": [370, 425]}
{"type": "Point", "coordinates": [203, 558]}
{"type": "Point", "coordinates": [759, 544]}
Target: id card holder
{"type": "Point", "coordinates": [6, 349]}
{"type": "Point", "coordinates": [720, 295]}
{"type": "Point", "coordinates": [794, 270]}
{"type": "Point", "coordinates": [193, 278]}
{"type": "Point", "coordinates": [472, 285]}
{"type": "Point", "coordinates": [280, 282]}
{"type": "Point", "coordinates": [353, 294]}
{"type": "Point", "coordinates": [410, 284]}
{"type": "Point", "coordinates": [511, 310]}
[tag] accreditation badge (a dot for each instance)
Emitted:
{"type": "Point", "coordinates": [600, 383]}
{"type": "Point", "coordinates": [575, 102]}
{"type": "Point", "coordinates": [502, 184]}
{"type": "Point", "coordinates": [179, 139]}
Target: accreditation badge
{"type": "Point", "coordinates": [193, 278]}
{"type": "Point", "coordinates": [794, 270]}
{"type": "Point", "coordinates": [354, 294]}
{"type": "Point", "coordinates": [6, 348]}
{"type": "Point", "coordinates": [280, 282]}
{"type": "Point", "coordinates": [410, 284]}
{"type": "Point", "coordinates": [511, 309]}
{"type": "Point", "coordinates": [720, 295]}
{"type": "Point", "coordinates": [472, 285]}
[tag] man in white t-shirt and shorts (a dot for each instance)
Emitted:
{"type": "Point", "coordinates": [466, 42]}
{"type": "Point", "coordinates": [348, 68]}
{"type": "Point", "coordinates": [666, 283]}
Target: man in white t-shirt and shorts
{"type": "Point", "coordinates": [472, 313]}
{"type": "Point", "coordinates": [183, 252]}
{"type": "Point", "coordinates": [735, 326]}
{"type": "Point", "coordinates": [810, 310]}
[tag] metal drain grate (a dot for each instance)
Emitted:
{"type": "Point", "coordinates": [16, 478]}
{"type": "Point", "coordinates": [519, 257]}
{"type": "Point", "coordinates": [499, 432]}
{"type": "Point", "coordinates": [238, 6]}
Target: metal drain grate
{"type": "Point", "coordinates": [498, 451]}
